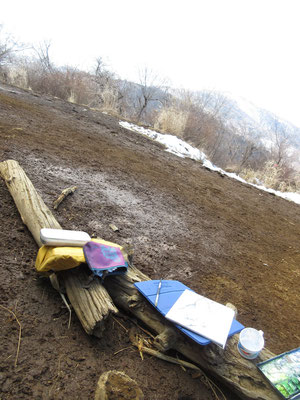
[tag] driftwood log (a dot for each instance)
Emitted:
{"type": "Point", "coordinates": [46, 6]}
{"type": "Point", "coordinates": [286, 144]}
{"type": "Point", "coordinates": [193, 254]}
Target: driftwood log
{"type": "Point", "coordinates": [227, 365]}
{"type": "Point", "coordinates": [239, 374]}
{"type": "Point", "coordinates": [93, 304]}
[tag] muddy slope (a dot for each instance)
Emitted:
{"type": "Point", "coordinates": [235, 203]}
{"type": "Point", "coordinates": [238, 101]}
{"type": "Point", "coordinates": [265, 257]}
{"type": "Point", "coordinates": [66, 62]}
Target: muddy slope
{"type": "Point", "coordinates": [226, 240]}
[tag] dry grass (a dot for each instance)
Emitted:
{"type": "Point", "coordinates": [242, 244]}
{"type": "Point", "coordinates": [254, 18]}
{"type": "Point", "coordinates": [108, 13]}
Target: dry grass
{"type": "Point", "coordinates": [17, 76]}
{"type": "Point", "coordinates": [272, 176]}
{"type": "Point", "coordinates": [171, 120]}
{"type": "Point", "coordinates": [109, 97]}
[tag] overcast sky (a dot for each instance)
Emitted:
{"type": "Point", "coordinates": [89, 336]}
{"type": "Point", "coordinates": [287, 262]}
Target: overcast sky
{"type": "Point", "coordinates": [247, 47]}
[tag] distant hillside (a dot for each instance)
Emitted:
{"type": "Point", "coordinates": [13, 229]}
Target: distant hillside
{"type": "Point", "coordinates": [261, 120]}
{"type": "Point", "coordinates": [241, 117]}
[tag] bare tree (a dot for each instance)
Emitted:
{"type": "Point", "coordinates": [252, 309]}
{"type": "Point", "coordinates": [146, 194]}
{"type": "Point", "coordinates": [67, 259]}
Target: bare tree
{"type": "Point", "coordinates": [247, 144]}
{"type": "Point", "coordinates": [280, 142]}
{"type": "Point", "coordinates": [110, 92]}
{"type": "Point", "coordinates": [213, 103]}
{"type": "Point", "coordinates": [43, 53]}
{"type": "Point", "coordinates": [101, 73]}
{"type": "Point", "coordinates": [99, 67]}
{"type": "Point", "coordinates": [205, 126]}
{"type": "Point", "coordinates": [152, 88]}
{"type": "Point", "coordinates": [8, 46]}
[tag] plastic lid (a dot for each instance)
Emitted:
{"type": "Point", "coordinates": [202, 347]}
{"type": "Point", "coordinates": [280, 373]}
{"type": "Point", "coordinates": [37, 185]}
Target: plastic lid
{"type": "Point", "coordinates": [252, 340]}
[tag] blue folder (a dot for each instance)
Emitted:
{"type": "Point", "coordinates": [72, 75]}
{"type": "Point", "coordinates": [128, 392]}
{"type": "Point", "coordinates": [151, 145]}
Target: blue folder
{"type": "Point", "coordinates": [169, 293]}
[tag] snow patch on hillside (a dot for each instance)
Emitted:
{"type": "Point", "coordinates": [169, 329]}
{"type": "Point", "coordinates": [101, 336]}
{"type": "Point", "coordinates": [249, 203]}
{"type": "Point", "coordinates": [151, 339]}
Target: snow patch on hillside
{"type": "Point", "coordinates": [182, 149]}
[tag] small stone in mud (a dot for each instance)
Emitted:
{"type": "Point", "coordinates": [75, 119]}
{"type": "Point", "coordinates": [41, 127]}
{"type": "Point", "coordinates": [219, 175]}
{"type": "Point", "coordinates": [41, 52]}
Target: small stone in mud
{"type": "Point", "coordinates": [116, 385]}
{"type": "Point", "coordinates": [114, 227]}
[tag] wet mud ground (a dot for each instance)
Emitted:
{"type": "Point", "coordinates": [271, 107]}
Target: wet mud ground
{"type": "Point", "coordinates": [226, 240]}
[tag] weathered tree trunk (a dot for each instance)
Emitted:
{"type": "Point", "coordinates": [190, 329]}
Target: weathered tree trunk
{"type": "Point", "coordinates": [34, 212]}
{"type": "Point", "coordinates": [93, 304]}
{"type": "Point", "coordinates": [239, 374]}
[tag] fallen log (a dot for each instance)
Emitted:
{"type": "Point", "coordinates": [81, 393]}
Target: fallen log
{"type": "Point", "coordinates": [227, 365]}
{"type": "Point", "coordinates": [33, 211]}
{"type": "Point", "coordinates": [93, 304]}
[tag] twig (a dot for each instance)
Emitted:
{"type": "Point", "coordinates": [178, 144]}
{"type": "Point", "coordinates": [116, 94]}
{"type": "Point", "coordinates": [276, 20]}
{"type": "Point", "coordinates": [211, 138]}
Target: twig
{"type": "Point", "coordinates": [55, 283]}
{"type": "Point", "coordinates": [180, 365]}
{"type": "Point", "coordinates": [143, 329]}
{"type": "Point", "coordinates": [20, 332]}
{"type": "Point", "coordinates": [68, 307]}
{"type": "Point", "coordinates": [138, 343]}
{"type": "Point", "coordinates": [210, 384]}
{"type": "Point", "coordinates": [183, 364]}
{"type": "Point", "coordinates": [172, 360]}
{"type": "Point", "coordinates": [125, 348]}
{"type": "Point", "coordinates": [125, 329]}
{"type": "Point", "coordinates": [63, 195]}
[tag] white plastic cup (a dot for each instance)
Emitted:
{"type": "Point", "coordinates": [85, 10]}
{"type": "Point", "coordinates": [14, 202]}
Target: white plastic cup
{"type": "Point", "coordinates": [251, 342]}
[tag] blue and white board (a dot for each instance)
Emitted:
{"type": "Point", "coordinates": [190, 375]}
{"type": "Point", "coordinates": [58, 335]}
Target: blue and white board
{"type": "Point", "coordinates": [169, 293]}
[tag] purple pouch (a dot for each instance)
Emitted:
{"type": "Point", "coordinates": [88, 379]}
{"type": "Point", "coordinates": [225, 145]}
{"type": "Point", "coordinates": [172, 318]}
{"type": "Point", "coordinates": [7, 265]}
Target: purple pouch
{"type": "Point", "coordinates": [102, 257]}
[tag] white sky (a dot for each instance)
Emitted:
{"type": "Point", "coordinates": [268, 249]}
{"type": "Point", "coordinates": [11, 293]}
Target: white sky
{"type": "Point", "coordinates": [247, 47]}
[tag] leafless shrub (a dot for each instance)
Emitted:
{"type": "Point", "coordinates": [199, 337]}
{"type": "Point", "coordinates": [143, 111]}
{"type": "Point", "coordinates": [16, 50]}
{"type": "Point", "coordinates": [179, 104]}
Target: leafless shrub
{"type": "Point", "coordinates": [152, 88]}
{"type": "Point", "coordinates": [66, 83]}
{"type": "Point", "coordinates": [109, 96]}
{"type": "Point", "coordinates": [8, 47]}
{"type": "Point", "coordinates": [15, 75]}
